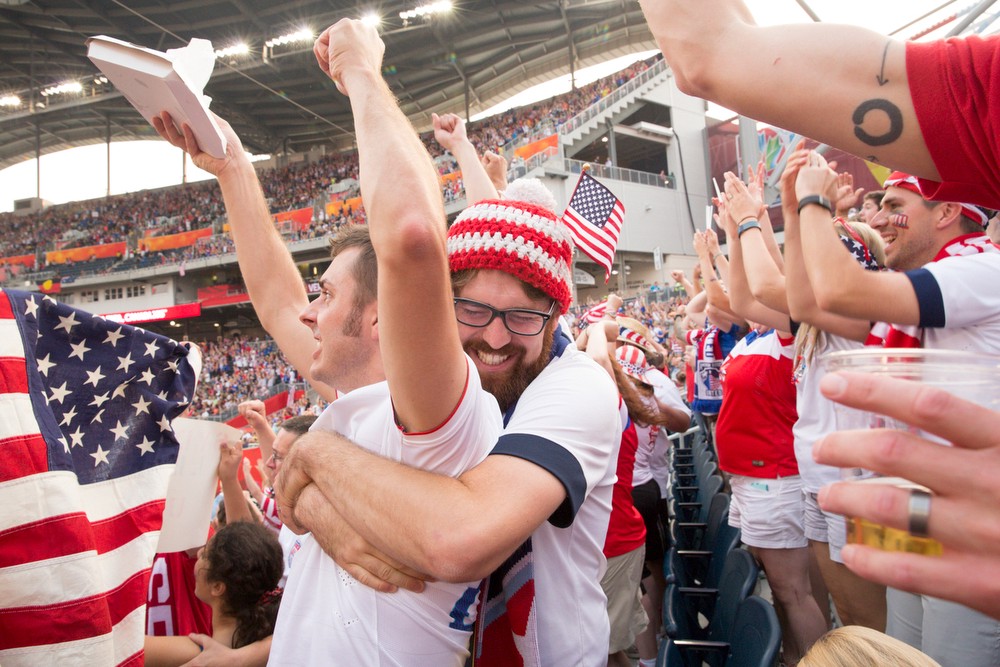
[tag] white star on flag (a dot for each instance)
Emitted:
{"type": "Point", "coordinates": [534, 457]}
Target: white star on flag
{"type": "Point", "coordinates": [59, 393]}
{"type": "Point", "coordinates": [125, 362]}
{"type": "Point", "coordinates": [67, 323]}
{"type": "Point", "coordinates": [120, 431]}
{"type": "Point", "coordinates": [147, 377]}
{"type": "Point", "coordinates": [151, 349]}
{"type": "Point", "coordinates": [79, 349]}
{"type": "Point", "coordinates": [77, 437]}
{"type": "Point", "coordinates": [100, 456]}
{"type": "Point", "coordinates": [44, 365]}
{"type": "Point", "coordinates": [164, 424]}
{"type": "Point", "coordinates": [114, 336]}
{"type": "Point", "coordinates": [142, 406]}
{"type": "Point", "coordinates": [68, 416]}
{"type": "Point", "coordinates": [100, 399]}
{"type": "Point", "coordinates": [31, 307]}
{"type": "Point", "coordinates": [146, 446]}
{"type": "Point", "coordinates": [94, 376]}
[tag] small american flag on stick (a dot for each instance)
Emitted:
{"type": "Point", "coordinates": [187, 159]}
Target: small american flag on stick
{"type": "Point", "coordinates": [595, 217]}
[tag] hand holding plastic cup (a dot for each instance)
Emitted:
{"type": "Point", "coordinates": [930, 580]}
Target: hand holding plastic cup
{"type": "Point", "coordinates": [970, 376]}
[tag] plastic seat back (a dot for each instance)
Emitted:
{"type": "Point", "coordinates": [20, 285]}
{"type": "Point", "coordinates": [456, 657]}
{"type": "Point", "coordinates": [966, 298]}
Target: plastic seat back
{"type": "Point", "coordinates": [756, 636]}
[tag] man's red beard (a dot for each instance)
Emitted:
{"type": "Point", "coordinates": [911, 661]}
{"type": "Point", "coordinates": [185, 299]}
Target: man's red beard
{"type": "Point", "coordinates": [507, 386]}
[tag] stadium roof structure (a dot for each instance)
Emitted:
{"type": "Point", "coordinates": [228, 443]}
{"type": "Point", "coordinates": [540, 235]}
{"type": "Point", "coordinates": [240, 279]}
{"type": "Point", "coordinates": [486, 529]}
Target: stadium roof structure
{"type": "Point", "coordinates": [276, 98]}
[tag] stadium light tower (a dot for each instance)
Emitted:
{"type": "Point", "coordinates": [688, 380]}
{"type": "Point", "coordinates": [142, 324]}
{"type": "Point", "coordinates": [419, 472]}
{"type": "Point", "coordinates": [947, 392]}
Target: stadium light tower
{"type": "Point", "coordinates": [426, 10]}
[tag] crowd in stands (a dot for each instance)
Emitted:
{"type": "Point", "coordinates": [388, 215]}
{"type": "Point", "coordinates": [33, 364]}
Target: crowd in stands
{"type": "Point", "coordinates": [195, 206]}
{"type": "Point", "coordinates": [235, 367]}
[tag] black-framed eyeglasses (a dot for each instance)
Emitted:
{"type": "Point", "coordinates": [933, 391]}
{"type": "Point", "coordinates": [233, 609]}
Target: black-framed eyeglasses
{"type": "Point", "coordinates": [520, 321]}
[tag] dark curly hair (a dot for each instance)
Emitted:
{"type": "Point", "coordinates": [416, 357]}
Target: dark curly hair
{"type": "Point", "coordinates": [246, 557]}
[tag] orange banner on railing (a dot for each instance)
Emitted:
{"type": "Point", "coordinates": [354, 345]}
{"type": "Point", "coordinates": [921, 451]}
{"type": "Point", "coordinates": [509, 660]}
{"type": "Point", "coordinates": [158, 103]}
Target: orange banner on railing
{"type": "Point", "coordinates": [455, 175]}
{"type": "Point", "coordinates": [26, 260]}
{"type": "Point", "coordinates": [301, 217]}
{"type": "Point", "coordinates": [86, 253]}
{"type": "Point", "coordinates": [171, 241]}
{"type": "Point", "coordinates": [335, 207]}
{"type": "Point", "coordinates": [524, 152]}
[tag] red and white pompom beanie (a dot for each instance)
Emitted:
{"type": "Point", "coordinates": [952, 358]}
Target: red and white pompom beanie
{"type": "Point", "coordinates": [521, 238]}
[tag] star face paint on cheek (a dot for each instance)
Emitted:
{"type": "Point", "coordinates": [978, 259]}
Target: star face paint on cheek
{"type": "Point", "coordinates": [900, 220]}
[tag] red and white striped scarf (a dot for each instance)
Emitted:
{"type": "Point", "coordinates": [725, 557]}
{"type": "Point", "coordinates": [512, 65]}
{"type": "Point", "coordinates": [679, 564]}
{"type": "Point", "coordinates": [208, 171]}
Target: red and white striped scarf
{"type": "Point", "coordinates": [884, 334]}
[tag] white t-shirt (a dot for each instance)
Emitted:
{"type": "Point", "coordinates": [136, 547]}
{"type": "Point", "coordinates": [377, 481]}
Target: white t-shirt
{"type": "Point", "coordinates": [326, 617]}
{"type": "Point", "coordinates": [816, 414]}
{"type": "Point", "coordinates": [567, 422]}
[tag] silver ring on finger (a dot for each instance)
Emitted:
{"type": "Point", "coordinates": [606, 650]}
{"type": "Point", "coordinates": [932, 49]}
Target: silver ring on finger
{"type": "Point", "coordinates": [919, 513]}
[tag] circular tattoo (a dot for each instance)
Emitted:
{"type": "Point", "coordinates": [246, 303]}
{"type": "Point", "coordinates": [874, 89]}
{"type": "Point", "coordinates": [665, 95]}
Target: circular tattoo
{"type": "Point", "coordinates": [891, 111]}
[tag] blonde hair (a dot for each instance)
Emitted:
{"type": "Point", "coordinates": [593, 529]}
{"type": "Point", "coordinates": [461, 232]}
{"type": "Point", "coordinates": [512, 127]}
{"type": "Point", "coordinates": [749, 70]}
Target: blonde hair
{"type": "Point", "coordinates": [809, 337]}
{"type": "Point", "coordinates": [854, 645]}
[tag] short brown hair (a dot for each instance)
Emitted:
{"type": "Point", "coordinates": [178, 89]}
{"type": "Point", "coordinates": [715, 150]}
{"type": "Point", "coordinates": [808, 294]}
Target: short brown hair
{"type": "Point", "coordinates": [365, 266]}
{"type": "Point", "coordinates": [297, 425]}
{"type": "Point", "coordinates": [365, 271]}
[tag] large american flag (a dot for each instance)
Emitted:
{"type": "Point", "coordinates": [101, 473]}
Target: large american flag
{"type": "Point", "coordinates": [86, 451]}
{"type": "Point", "coordinates": [595, 217]}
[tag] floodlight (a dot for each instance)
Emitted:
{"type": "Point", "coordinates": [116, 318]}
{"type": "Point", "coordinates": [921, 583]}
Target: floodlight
{"type": "Point", "coordinates": [426, 10]}
{"type": "Point", "coordinates": [303, 35]}
{"type": "Point", "coordinates": [67, 87]}
{"type": "Point", "coordinates": [238, 49]}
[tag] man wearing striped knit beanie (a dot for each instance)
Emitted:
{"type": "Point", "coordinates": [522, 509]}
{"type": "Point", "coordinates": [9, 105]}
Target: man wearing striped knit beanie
{"type": "Point", "coordinates": [552, 471]}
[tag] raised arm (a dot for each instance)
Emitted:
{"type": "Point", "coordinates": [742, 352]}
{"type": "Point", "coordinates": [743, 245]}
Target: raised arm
{"type": "Point", "coordinates": [449, 131]}
{"type": "Point", "coordinates": [740, 295]}
{"type": "Point", "coordinates": [230, 457]}
{"type": "Point", "coordinates": [402, 198]}
{"type": "Point", "coordinates": [801, 300]}
{"type": "Point", "coordinates": [255, 413]}
{"type": "Point", "coordinates": [717, 297]}
{"type": "Point", "coordinates": [862, 105]}
{"type": "Point", "coordinates": [764, 276]}
{"type": "Point", "coordinates": [273, 282]}
{"type": "Point", "coordinates": [840, 284]}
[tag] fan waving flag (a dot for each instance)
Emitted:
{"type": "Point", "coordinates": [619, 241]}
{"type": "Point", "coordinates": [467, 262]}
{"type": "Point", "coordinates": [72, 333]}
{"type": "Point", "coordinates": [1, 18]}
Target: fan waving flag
{"type": "Point", "coordinates": [595, 217]}
{"type": "Point", "coordinates": [86, 451]}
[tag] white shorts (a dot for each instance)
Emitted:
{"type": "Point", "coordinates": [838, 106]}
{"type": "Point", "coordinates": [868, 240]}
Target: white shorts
{"type": "Point", "coordinates": [768, 512]}
{"type": "Point", "coordinates": [825, 527]}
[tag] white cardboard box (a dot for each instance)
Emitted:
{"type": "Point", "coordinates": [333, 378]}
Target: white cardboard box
{"type": "Point", "coordinates": [152, 81]}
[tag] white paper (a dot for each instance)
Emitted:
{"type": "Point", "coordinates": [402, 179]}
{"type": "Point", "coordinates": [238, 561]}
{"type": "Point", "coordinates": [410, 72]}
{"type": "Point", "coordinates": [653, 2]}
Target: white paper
{"type": "Point", "coordinates": [192, 487]}
{"type": "Point", "coordinates": [194, 64]}
{"type": "Point", "coordinates": [708, 219]}
{"type": "Point", "coordinates": [154, 81]}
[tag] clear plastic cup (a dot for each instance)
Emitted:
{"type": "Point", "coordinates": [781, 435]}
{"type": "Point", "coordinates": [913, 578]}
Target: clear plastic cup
{"type": "Point", "coordinates": [970, 376]}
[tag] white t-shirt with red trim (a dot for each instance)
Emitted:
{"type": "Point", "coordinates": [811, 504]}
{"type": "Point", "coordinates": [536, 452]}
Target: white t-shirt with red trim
{"type": "Point", "coordinates": [326, 617]}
